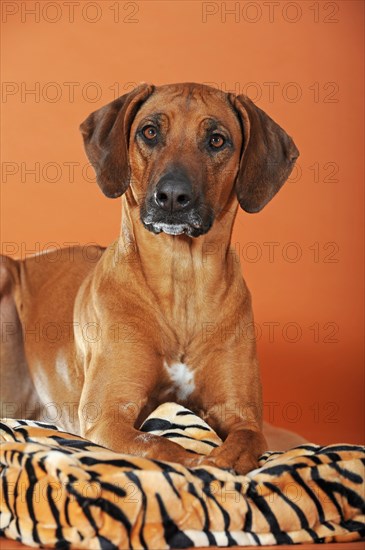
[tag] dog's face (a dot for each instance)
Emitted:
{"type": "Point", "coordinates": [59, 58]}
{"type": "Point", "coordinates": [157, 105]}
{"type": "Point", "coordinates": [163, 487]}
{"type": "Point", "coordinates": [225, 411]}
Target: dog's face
{"type": "Point", "coordinates": [185, 150]}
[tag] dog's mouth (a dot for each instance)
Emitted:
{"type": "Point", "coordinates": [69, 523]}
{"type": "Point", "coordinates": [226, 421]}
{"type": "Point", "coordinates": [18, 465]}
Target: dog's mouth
{"type": "Point", "coordinates": [170, 228]}
{"type": "Point", "coordinates": [194, 226]}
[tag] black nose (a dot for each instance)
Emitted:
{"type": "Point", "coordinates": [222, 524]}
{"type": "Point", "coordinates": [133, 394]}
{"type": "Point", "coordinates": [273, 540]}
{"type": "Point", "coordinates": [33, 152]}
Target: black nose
{"type": "Point", "coordinates": [173, 195]}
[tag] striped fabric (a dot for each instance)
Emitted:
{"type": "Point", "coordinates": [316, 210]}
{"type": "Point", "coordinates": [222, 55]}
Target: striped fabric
{"type": "Point", "coordinates": [61, 491]}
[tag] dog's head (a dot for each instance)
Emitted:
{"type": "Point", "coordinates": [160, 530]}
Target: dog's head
{"type": "Point", "coordinates": [185, 149]}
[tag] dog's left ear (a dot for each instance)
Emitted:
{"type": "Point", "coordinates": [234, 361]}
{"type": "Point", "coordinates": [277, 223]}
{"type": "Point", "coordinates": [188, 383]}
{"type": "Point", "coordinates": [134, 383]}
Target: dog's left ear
{"type": "Point", "coordinates": [106, 135]}
{"type": "Point", "coordinates": [267, 158]}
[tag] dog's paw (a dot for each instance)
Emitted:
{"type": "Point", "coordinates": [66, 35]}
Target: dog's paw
{"type": "Point", "coordinates": [240, 451]}
{"type": "Point", "coordinates": [199, 461]}
{"type": "Point", "coordinates": [236, 464]}
{"type": "Point", "coordinates": [239, 463]}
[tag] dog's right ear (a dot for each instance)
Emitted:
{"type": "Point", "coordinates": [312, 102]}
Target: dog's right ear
{"type": "Point", "coordinates": [106, 135]}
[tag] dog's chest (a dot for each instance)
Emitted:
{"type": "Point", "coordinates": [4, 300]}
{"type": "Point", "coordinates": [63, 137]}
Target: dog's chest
{"type": "Point", "coordinates": [181, 378]}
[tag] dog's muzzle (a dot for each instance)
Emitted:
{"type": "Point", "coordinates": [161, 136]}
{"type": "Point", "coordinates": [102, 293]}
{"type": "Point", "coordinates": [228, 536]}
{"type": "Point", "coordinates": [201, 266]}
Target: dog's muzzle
{"type": "Point", "coordinates": [172, 208]}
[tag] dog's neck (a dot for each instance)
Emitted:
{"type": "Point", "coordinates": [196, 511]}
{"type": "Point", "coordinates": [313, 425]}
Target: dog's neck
{"type": "Point", "coordinates": [178, 256]}
{"type": "Point", "coordinates": [186, 276]}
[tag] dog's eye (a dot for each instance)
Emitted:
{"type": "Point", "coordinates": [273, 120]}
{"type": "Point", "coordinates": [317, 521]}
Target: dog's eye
{"type": "Point", "coordinates": [149, 132]}
{"type": "Point", "coordinates": [217, 141]}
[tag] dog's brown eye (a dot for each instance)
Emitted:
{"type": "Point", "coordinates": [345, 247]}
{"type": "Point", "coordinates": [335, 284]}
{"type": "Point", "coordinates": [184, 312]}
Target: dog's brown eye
{"type": "Point", "coordinates": [217, 141]}
{"type": "Point", "coordinates": [149, 132]}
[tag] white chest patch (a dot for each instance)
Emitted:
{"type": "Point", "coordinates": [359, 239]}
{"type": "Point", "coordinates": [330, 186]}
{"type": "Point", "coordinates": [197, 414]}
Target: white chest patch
{"type": "Point", "coordinates": [182, 378]}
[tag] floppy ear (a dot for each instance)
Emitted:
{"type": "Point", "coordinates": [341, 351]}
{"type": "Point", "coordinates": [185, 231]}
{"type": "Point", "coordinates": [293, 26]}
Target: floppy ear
{"type": "Point", "coordinates": [106, 135]}
{"type": "Point", "coordinates": [268, 156]}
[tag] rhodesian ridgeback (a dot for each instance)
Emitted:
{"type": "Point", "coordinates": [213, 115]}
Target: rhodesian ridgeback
{"type": "Point", "coordinates": [163, 313]}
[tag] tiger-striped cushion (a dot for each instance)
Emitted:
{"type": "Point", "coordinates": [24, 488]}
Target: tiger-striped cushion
{"type": "Point", "coordinates": [59, 490]}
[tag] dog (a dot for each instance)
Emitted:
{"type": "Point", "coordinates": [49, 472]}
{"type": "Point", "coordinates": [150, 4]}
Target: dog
{"type": "Point", "coordinates": [163, 313]}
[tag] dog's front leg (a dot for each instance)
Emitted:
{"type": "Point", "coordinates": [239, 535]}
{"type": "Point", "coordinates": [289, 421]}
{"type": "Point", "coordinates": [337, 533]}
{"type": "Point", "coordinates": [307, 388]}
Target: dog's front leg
{"type": "Point", "coordinates": [232, 405]}
{"type": "Point", "coordinates": [111, 402]}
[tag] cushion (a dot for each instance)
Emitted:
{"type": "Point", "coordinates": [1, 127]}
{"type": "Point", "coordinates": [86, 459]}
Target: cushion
{"type": "Point", "coordinates": [62, 491]}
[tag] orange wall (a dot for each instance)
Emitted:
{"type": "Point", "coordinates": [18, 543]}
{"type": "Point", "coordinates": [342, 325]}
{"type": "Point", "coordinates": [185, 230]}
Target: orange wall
{"type": "Point", "coordinates": [302, 63]}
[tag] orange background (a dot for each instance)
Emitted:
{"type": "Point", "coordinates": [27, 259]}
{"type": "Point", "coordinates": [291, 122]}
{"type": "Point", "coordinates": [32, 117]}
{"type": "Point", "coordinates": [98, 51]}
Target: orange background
{"type": "Point", "coordinates": [310, 52]}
